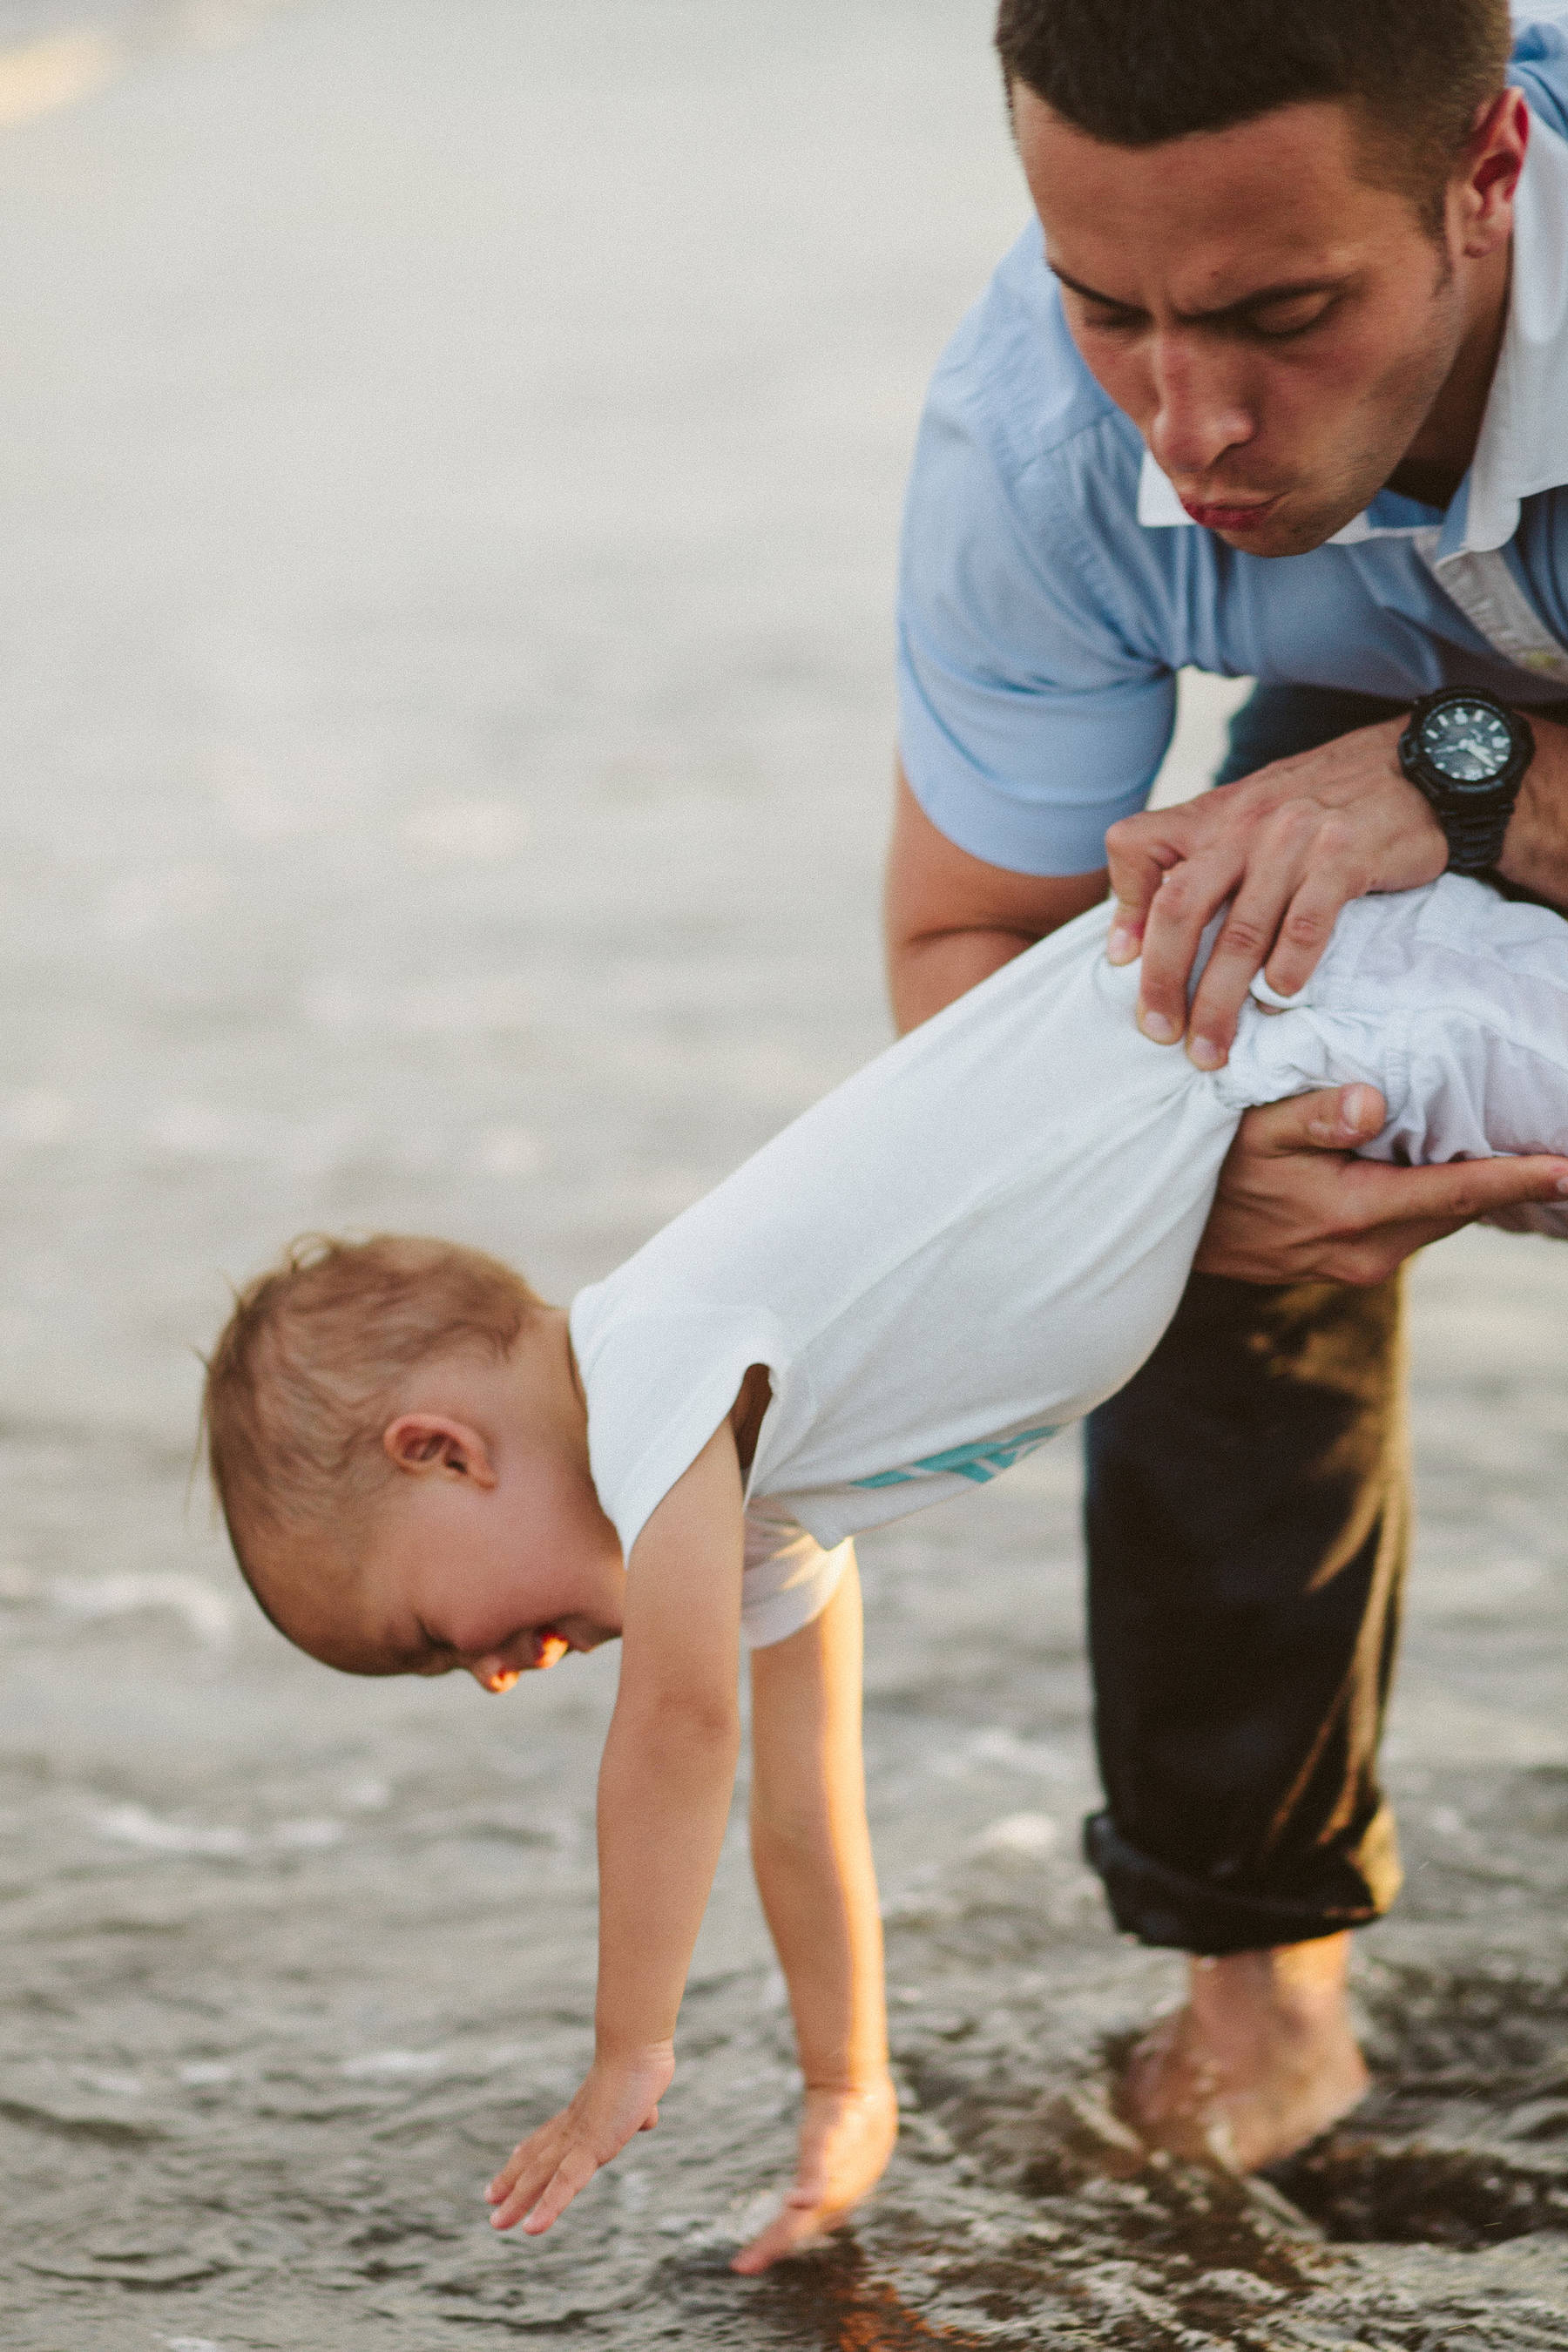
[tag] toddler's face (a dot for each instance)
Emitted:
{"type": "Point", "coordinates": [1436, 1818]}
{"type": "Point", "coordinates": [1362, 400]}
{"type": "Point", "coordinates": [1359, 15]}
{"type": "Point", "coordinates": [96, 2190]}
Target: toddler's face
{"type": "Point", "coordinates": [497, 1581]}
{"type": "Point", "coordinates": [492, 1618]}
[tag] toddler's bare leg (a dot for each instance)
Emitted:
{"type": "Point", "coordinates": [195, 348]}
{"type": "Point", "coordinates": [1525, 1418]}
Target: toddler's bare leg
{"type": "Point", "coordinates": [1261, 2058]}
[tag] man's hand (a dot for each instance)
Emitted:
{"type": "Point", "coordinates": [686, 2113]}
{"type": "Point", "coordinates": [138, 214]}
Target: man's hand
{"type": "Point", "coordinates": [1294, 1205]}
{"type": "Point", "coordinates": [544, 2172]}
{"type": "Point", "coordinates": [1288, 847]}
{"type": "Point", "coordinates": [845, 2140]}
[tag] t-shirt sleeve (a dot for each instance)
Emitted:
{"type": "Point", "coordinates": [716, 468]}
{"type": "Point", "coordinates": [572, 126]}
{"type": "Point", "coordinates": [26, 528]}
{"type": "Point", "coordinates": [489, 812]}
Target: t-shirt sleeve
{"type": "Point", "coordinates": [1030, 717]}
{"type": "Point", "coordinates": [658, 1385]}
{"type": "Point", "coordinates": [789, 1581]}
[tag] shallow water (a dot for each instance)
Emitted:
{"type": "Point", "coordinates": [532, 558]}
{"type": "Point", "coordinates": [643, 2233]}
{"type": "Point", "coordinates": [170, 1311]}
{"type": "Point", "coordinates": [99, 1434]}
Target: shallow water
{"type": "Point", "coordinates": [454, 464]}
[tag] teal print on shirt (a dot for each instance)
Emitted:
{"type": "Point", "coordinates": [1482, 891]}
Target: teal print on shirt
{"type": "Point", "coordinates": [986, 1458]}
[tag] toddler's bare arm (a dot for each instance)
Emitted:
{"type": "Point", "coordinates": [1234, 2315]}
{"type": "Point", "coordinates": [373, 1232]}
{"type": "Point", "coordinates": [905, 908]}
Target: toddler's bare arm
{"type": "Point", "coordinates": [665, 1786]}
{"type": "Point", "coordinates": [812, 1850]}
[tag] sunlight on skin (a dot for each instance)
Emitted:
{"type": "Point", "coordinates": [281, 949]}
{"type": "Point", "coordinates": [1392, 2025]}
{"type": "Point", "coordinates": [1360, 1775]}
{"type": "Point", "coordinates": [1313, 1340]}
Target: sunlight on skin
{"type": "Point", "coordinates": [552, 1647]}
{"type": "Point", "coordinates": [497, 1680]}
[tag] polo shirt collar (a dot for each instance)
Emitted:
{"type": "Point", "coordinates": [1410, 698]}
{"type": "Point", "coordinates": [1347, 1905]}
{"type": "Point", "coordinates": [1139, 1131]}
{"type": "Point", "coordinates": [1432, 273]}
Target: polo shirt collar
{"type": "Point", "coordinates": [1523, 448]}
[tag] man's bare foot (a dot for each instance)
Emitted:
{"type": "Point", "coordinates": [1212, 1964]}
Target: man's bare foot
{"type": "Point", "coordinates": [1261, 2059]}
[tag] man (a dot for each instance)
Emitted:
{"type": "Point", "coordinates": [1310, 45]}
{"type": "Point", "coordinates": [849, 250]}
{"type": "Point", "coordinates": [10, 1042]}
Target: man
{"type": "Point", "coordinates": [1277, 377]}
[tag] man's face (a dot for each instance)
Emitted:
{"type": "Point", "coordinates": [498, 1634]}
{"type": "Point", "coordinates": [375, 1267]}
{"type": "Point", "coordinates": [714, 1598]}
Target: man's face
{"type": "Point", "coordinates": [1276, 328]}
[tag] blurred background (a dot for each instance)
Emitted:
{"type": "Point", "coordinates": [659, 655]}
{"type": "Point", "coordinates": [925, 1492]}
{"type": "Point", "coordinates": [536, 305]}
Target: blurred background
{"type": "Point", "coordinates": [450, 460]}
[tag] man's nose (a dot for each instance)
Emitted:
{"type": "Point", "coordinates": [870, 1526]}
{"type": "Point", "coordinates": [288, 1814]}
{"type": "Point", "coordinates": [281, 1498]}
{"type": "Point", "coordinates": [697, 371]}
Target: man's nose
{"type": "Point", "coordinates": [1198, 414]}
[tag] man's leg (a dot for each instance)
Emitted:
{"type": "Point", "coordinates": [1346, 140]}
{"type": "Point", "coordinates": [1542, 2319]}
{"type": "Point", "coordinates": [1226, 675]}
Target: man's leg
{"type": "Point", "coordinates": [1246, 1518]}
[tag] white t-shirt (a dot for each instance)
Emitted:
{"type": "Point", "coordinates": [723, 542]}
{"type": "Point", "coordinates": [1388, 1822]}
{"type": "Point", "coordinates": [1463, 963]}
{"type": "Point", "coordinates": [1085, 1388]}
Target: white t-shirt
{"type": "Point", "coordinates": [983, 1234]}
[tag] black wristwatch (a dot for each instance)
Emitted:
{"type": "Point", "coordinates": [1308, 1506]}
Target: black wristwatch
{"type": "Point", "coordinates": [1467, 754]}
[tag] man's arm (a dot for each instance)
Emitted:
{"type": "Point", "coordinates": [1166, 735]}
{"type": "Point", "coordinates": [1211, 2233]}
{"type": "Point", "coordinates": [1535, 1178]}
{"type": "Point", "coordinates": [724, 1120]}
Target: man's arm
{"type": "Point", "coordinates": [952, 920]}
{"type": "Point", "coordinates": [664, 1785]}
{"type": "Point", "coordinates": [1288, 847]}
{"type": "Point", "coordinates": [1535, 854]}
{"type": "Point", "coordinates": [1293, 1203]}
{"type": "Point", "coordinates": [812, 1851]}
{"type": "Point", "coordinates": [1296, 1204]}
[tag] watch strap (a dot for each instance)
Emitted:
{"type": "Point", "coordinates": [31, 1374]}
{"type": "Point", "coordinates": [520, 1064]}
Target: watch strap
{"type": "Point", "coordinates": [1475, 842]}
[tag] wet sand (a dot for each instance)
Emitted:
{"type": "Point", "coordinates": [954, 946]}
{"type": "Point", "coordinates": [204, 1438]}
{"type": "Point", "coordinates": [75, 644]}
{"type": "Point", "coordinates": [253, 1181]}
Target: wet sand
{"type": "Point", "coordinates": [454, 462]}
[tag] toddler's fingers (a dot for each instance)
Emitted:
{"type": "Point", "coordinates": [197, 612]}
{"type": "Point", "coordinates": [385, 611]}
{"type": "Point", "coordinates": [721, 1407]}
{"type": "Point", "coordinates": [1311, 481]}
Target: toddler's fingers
{"type": "Point", "coordinates": [520, 2199]}
{"type": "Point", "coordinates": [794, 2226]}
{"type": "Point", "coordinates": [515, 2188]}
{"type": "Point", "coordinates": [527, 2151]}
{"type": "Point", "coordinates": [811, 2183]}
{"type": "Point", "coordinates": [573, 2172]}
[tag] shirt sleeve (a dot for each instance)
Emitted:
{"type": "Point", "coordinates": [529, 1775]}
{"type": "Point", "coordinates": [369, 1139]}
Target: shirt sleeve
{"type": "Point", "coordinates": [1030, 718]}
{"type": "Point", "coordinates": [1540, 63]}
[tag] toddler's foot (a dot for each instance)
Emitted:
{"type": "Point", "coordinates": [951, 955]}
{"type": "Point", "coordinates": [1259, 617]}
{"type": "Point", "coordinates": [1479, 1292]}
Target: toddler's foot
{"type": "Point", "coordinates": [1261, 2060]}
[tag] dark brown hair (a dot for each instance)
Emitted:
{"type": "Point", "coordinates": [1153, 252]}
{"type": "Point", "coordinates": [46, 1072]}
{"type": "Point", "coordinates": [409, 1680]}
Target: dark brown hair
{"type": "Point", "coordinates": [306, 1373]}
{"type": "Point", "coordinates": [1135, 73]}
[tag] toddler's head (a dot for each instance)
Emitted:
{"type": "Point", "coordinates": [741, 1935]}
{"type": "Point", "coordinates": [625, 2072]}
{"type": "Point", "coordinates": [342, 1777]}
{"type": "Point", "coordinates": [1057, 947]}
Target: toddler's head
{"type": "Point", "coordinates": [399, 1444]}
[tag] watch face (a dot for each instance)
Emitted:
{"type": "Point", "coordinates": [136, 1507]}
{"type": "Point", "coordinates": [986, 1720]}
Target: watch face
{"type": "Point", "coordinates": [1467, 742]}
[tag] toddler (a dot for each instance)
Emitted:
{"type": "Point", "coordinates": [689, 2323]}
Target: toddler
{"type": "Point", "coordinates": [973, 1241]}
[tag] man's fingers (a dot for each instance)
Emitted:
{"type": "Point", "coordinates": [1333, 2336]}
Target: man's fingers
{"type": "Point", "coordinates": [1246, 939]}
{"type": "Point", "coordinates": [1458, 1191]}
{"type": "Point", "coordinates": [1329, 885]}
{"type": "Point", "coordinates": [1190, 894]}
{"type": "Point", "coordinates": [1301, 872]}
{"type": "Point", "coordinates": [1388, 1215]}
{"type": "Point", "coordinates": [1334, 1118]}
{"type": "Point", "coordinates": [1139, 851]}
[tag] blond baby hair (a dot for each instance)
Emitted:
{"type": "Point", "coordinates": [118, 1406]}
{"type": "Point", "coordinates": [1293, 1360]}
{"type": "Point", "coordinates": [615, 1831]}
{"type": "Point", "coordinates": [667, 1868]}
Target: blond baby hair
{"type": "Point", "coordinates": [308, 1371]}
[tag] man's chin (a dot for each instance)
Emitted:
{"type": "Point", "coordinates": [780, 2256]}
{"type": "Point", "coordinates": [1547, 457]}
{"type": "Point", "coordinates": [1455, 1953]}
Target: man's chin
{"type": "Point", "coordinates": [1285, 529]}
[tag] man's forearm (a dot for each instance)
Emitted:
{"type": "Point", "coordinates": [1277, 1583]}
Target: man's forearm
{"type": "Point", "coordinates": [951, 919]}
{"type": "Point", "coordinates": [1535, 854]}
{"type": "Point", "coordinates": [925, 974]}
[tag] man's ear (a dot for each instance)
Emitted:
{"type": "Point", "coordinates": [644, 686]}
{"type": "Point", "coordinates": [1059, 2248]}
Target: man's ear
{"type": "Point", "coordinates": [1493, 164]}
{"type": "Point", "coordinates": [427, 1445]}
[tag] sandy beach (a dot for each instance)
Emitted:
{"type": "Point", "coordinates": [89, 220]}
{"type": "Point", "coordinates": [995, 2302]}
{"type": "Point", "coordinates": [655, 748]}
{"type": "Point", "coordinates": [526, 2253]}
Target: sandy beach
{"type": "Point", "coordinates": [453, 452]}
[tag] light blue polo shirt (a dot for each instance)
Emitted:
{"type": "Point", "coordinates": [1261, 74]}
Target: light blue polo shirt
{"type": "Point", "coordinates": [1051, 586]}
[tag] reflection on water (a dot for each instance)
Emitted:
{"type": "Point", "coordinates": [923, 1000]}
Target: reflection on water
{"type": "Point", "coordinates": [456, 457]}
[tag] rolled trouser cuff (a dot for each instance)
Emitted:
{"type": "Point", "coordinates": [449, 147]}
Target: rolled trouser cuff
{"type": "Point", "coordinates": [1159, 1906]}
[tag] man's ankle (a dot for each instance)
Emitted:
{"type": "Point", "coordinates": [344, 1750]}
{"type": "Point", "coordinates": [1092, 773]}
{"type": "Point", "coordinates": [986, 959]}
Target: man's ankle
{"type": "Point", "coordinates": [1290, 1982]}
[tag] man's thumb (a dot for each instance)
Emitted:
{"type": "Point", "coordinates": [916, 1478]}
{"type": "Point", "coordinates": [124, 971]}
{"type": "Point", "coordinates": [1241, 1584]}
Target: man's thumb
{"type": "Point", "coordinates": [1335, 1119]}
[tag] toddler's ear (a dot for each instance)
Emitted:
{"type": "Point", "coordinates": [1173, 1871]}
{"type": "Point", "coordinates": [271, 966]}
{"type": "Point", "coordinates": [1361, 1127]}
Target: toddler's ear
{"type": "Point", "coordinates": [427, 1445]}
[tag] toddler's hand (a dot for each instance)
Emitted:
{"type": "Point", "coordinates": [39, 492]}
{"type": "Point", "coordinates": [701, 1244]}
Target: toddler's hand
{"type": "Point", "coordinates": [544, 2172]}
{"type": "Point", "coordinates": [845, 2140]}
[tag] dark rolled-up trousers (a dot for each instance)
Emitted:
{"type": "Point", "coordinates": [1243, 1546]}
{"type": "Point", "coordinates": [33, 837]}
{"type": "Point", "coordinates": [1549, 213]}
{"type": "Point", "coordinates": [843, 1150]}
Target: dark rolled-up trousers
{"type": "Point", "coordinates": [1247, 1515]}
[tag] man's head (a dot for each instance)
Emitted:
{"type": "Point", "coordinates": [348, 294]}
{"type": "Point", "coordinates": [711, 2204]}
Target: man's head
{"type": "Point", "coordinates": [399, 1447]}
{"type": "Point", "coordinates": [1282, 234]}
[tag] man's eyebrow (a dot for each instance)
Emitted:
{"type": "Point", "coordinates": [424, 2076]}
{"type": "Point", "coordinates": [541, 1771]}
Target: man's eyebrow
{"type": "Point", "coordinates": [1290, 289]}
